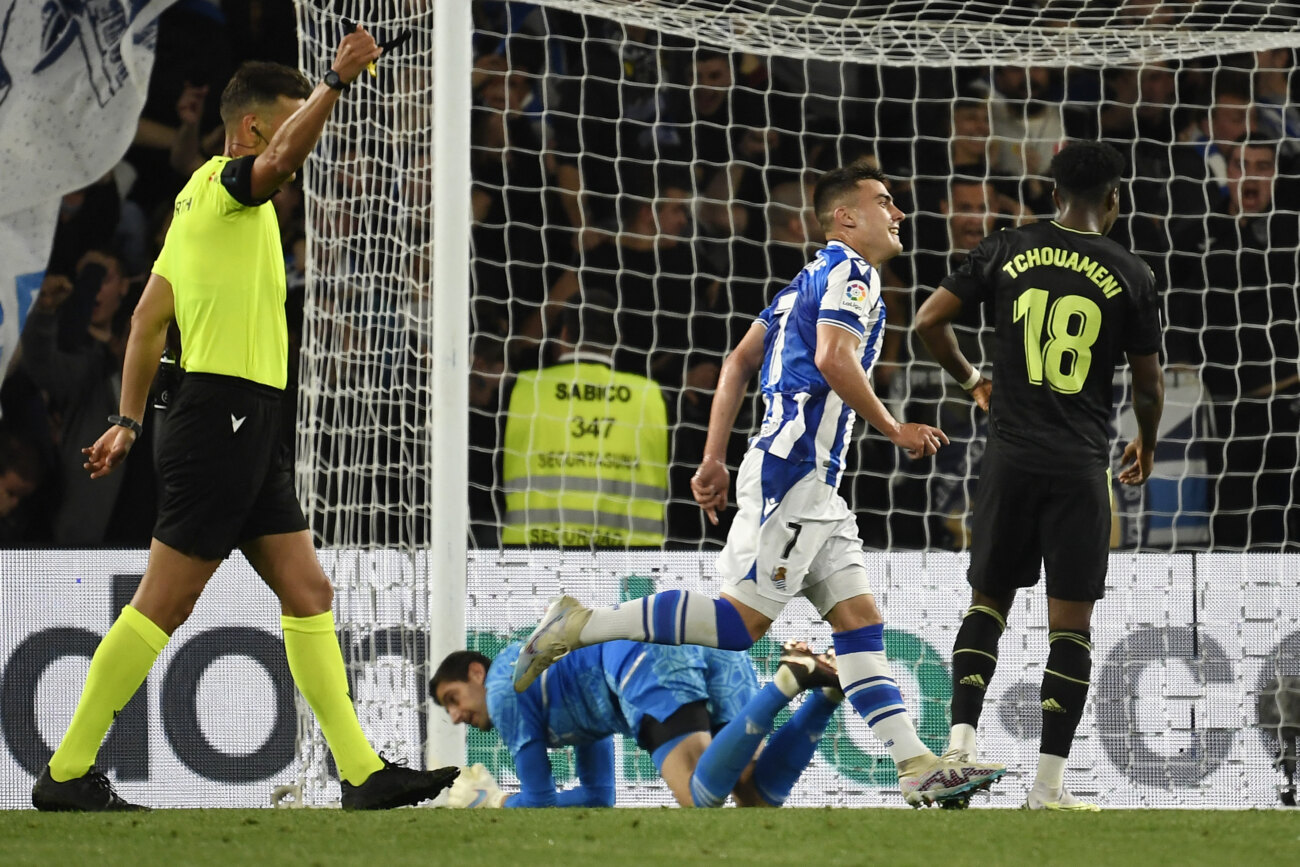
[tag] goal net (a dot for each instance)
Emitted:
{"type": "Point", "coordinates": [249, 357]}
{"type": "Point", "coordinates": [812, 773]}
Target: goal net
{"type": "Point", "coordinates": [643, 171]}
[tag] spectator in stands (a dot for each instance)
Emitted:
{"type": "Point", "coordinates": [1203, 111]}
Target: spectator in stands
{"type": "Point", "coordinates": [518, 221]}
{"type": "Point", "coordinates": [968, 209]}
{"type": "Point", "coordinates": [1243, 242]}
{"type": "Point", "coordinates": [193, 50]}
{"type": "Point", "coordinates": [737, 135]}
{"type": "Point", "coordinates": [1166, 190]}
{"type": "Point", "coordinates": [1028, 126]}
{"type": "Point", "coordinates": [969, 132]}
{"type": "Point", "coordinates": [21, 473]}
{"type": "Point", "coordinates": [728, 135]}
{"type": "Point", "coordinates": [755, 271]}
{"type": "Point", "coordinates": [1276, 110]}
{"type": "Point", "coordinates": [585, 462]}
{"type": "Point", "coordinates": [290, 212]}
{"type": "Point", "coordinates": [607, 127]}
{"type": "Point", "coordinates": [1231, 115]}
{"type": "Point", "coordinates": [87, 220]}
{"type": "Point", "coordinates": [1233, 312]}
{"type": "Point", "coordinates": [190, 148]}
{"type": "Point", "coordinates": [958, 147]}
{"type": "Point", "coordinates": [80, 371]}
{"type": "Point", "coordinates": [962, 150]}
{"type": "Point", "coordinates": [658, 279]}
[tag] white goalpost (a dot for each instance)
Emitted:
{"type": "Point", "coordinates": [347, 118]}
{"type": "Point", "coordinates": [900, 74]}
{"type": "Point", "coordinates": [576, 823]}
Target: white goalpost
{"type": "Point", "coordinates": [512, 159]}
{"type": "Point", "coordinates": [384, 372]}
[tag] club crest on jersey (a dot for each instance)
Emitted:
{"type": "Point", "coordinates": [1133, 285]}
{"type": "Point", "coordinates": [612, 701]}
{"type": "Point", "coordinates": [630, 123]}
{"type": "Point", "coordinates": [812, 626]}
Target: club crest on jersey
{"type": "Point", "coordinates": [855, 296]}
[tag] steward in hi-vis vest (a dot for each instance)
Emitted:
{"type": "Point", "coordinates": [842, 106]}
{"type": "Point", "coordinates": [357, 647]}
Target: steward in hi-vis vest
{"type": "Point", "coordinates": [586, 447]}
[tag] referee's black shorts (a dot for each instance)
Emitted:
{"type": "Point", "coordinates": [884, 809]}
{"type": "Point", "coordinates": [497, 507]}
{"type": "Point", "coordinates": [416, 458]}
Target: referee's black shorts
{"type": "Point", "coordinates": [226, 477]}
{"type": "Point", "coordinates": [1022, 520]}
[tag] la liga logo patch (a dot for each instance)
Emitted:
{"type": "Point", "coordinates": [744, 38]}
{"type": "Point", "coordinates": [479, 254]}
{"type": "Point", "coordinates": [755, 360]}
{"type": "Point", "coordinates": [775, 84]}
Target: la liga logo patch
{"type": "Point", "coordinates": [855, 297]}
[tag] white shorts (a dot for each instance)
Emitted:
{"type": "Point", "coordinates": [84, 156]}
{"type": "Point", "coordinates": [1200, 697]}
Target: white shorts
{"type": "Point", "coordinates": [805, 545]}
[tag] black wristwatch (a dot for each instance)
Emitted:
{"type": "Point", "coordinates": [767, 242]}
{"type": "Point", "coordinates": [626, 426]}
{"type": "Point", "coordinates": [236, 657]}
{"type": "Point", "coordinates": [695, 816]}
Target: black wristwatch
{"type": "Point", "coordinates": [127, 422]}
{"type": "Point", "coordinates": [332, 80]}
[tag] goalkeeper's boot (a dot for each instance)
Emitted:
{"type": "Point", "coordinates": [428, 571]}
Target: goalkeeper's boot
{"type": "Point", "coordinates": [395, 785]}
{"type": "Point", "coordinates": [554, 637]}
{"type": "Point", "coordinates": [812, 670]}
{"type": "Point", "coordinates": [89, 793]}
{"type": "Point", "coordinates": [1043, 798]}
{"type": "Point", "coordinates": [945, 778]}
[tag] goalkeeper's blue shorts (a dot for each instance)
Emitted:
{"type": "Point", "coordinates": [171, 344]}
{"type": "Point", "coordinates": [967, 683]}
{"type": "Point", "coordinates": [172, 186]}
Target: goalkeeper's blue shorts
{"type": "Point", "coordinates": [668, 678]}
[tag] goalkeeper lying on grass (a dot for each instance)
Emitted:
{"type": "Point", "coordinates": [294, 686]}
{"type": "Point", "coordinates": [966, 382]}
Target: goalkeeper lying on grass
{"type": "Point", "coordinates": [698, 711]}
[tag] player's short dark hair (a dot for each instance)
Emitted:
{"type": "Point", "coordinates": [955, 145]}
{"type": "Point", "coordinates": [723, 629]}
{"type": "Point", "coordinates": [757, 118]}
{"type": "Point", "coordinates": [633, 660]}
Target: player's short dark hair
{"type": "Point", "coordinates": [259, 83]}
{"type": "Point", "coordinates": [455, 669]}
{"type": "Point", "coordinates": [590, 319]}
{"type": "Point", "coordinates": [836, 184]}
{"type": "Point", "coordinates": [1087, 171]}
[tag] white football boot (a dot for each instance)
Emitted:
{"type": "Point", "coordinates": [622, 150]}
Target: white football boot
{"type": "Point", "coordinates": [1043, 798]}
{"type": "Point", "coordinates": [556, 634]}
{"type": "Point", "coordinates": [949, 777]}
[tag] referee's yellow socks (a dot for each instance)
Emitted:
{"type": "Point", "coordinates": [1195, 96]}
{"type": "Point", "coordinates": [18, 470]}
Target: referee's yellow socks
{"type": "Point", "coordinates": [117, 669]}
{"type": "Point", "coordinates": [316, 663]}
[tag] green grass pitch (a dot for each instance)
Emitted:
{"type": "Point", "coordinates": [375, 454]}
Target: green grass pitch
{"type": "Point", "coordinates": [611, 838]}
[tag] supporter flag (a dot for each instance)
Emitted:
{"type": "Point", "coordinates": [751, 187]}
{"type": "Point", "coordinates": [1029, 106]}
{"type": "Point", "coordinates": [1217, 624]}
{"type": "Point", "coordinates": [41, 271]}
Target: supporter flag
{"type": "Point", "coordinates": [73, 79]}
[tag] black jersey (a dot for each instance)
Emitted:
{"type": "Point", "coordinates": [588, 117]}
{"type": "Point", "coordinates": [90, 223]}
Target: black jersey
{"type": "Point", "coordinates": [1066, 307]}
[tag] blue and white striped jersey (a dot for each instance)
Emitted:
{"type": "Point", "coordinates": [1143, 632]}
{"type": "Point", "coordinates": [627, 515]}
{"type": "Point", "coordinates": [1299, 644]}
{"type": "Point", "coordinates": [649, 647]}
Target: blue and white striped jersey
{"type": "Point", "coordinates": [804, 421]}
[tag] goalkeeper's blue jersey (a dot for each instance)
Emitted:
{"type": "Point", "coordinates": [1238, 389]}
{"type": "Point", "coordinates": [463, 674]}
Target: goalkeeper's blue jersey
{"type": "Point", "coordinates": [571, 703]}
{"type": "Point", "coordinates": [804, 420]}
{"type": "Point", "coordinates": [609, 688]}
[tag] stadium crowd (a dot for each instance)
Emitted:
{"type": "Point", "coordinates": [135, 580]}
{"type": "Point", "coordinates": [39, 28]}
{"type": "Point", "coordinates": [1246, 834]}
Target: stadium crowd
{"type": "Point", "coordinates": [674, 177]}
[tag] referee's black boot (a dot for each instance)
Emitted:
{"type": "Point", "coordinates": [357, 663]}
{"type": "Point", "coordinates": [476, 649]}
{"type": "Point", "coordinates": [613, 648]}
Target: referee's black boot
{"type": "Point", "coordinates": [89, 793]}
{"type": "Point", "coordinates": [396, 786]}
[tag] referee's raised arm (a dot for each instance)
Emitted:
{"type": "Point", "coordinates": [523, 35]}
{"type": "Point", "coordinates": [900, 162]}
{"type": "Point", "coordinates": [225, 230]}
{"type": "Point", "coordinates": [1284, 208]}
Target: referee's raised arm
{"type": "Point", "coordinates": [294, 140]}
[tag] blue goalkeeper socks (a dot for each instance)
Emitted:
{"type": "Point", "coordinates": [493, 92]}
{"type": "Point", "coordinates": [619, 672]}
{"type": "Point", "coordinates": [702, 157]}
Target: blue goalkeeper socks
{"type": "Point", "coordinates": [791, 748]}
{"type": "Point", "coordinates": [733, 747]}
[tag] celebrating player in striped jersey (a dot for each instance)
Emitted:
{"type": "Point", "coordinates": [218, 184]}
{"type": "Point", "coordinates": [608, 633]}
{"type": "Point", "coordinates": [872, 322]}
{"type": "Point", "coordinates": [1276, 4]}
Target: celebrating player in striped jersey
{"type": "Point", "coordinates": [793, 534]}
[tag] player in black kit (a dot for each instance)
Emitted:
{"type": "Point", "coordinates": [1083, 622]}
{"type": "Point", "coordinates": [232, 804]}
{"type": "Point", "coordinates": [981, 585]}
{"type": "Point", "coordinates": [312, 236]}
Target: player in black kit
{"type": "Point", "coordinates": [1068, 306]}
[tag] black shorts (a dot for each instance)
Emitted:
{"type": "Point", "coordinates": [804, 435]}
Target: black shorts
{"type": "Point", "coordinates": [1023, 521]}
{"type": "Point", "coordinates": [225, 474]}
{"type": "Point", "coordinates": [687, 719]}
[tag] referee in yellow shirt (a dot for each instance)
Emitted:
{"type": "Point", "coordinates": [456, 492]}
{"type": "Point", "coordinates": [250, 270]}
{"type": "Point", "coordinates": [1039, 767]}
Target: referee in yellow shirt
{"type": "Point", "coordinates": [226, 479]}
